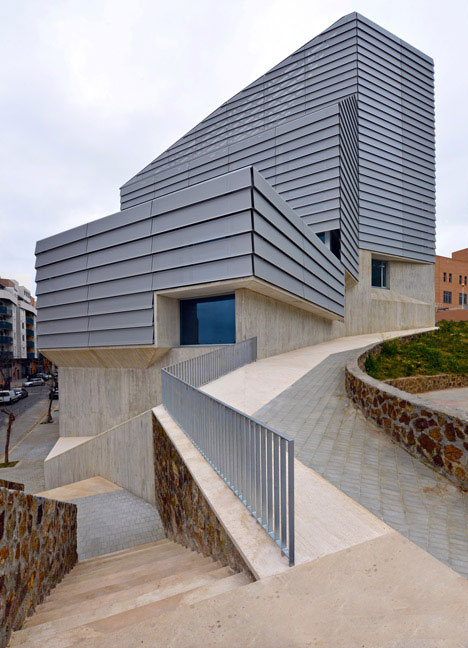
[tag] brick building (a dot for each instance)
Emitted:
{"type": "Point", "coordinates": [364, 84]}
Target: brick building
{"type": "Point", "coordinates": [451, 277]}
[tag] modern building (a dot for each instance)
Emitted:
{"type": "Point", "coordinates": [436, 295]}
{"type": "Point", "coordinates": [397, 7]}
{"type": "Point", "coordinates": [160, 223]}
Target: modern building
{"type": "Point", "coordinates": [300, 210]}
{"type": "Point", "coordinates": [18, 344]}
{"type": "Point", "coordinates": [452, 286]}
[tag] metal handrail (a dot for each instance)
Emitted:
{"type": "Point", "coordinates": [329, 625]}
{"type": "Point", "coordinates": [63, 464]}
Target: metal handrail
{"type": "Point", "coordinates": [254, 460]}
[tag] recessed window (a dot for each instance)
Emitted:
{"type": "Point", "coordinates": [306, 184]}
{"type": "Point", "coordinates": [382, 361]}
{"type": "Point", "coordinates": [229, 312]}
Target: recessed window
{"type": "Point", "coordinates": [445, 276]}
{"type": "Point", "coordinates": [450, 277]}
{"type": "Point", "coordinates": [210, 320]}
{"type": "Point", "coordinates": [379, 273]}
{"type": "Point", "coordinates": [447, 297]}
{"type": "Point", "coordinates": [462, 299]}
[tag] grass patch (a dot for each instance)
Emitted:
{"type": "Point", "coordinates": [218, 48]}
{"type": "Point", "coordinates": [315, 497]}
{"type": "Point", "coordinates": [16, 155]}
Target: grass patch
{"type": "Point", "coordinates": [444, 351]}
{"type": "Point", "coordinates": [10, 464]}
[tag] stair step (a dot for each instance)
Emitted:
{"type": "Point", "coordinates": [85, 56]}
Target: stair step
{"type": "Point", "coordinates": [100, 562]}
{"type": "Point", "coordinates": [121, 581]}
{"type": "Point", "coordinates": [114, 554]}
{"type": "Point", "coordinates": [149, 556]}
{"type": "Point", "coordinates": [101, 632]}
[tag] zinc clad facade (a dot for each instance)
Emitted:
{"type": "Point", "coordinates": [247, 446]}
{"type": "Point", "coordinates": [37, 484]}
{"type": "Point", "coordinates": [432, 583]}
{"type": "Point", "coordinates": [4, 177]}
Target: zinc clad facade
{"type": "Point", "coordinates": [393, 85]}
{"type": "Point", "coordinates": [96, 283]}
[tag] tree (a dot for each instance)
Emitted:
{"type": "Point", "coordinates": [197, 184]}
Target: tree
{"type": "Point", "coordinates": [11, 418]}
{"type": "Point", "coordinates": [5, 366]}
{"type": "Point", "coordinates": [51, 398]}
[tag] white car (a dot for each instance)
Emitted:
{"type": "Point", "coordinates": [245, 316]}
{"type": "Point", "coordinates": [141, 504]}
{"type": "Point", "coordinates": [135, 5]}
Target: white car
{"type": "Point", "coordinates": [8, 396]}
{"type": "Point", "coordinates": [33, 382]}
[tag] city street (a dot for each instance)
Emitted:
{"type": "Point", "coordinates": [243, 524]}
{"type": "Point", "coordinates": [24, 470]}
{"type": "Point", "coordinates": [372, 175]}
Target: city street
{"type": "Point", "coordinates": [27, 412]}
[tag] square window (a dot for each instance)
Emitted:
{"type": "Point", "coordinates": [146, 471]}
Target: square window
{"type": "Point", "coordinates": [379, 274]}
{"type": "Point", "coordinates": [209, 320]}
{"type": "Point", "coordinates": [447, 297]}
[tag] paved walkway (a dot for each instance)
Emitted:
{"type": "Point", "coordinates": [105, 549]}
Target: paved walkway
{"type": "Point", "coordinates": [109, 517]}
{"type": "Point", "coordinates": [451, 397]}
{"type": "Point", "coordinates": [31, 452]}
{"type": "Point", "coordinates": [333, 438]}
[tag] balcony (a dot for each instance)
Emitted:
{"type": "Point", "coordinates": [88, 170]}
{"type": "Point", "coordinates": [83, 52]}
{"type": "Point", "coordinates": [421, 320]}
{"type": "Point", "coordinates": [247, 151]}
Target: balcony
{"type": "Point", "coordinates": [5, 326]}
{"type": "Point", "coordinates": [5, 311]}
{"type": "Point", "coordinates": [30, 344]}
{"type": "Point", "coordinates": [30, 320]}
{"type": "Point", "coordinates": [6, 339]}
{"type": "Point", "coordinates": [30, 331]}
{"type": "Point", "coordinates": [6, 354]}
{"type": "Point", "coordinates": [31, 356]}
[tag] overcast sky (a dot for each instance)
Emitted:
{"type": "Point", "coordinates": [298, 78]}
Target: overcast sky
{"type": "Point", "coordinates": [93, 90]}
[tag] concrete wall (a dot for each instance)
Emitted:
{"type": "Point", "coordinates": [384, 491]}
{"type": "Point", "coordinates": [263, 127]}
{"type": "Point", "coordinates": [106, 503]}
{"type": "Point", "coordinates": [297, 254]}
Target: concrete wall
{"type": "Point", "coordinates": [278, 326]}
{"type": "Point", "coordinates": [94, 399]}
{"type": "Point", "coordinates": [123, 454]}
{"type": "Point", "coordinates": [408, 303]}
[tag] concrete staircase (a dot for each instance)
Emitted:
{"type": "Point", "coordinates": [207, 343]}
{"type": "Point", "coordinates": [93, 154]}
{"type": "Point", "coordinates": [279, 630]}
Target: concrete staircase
{"type": "Point", "coordinates": [107, 594]}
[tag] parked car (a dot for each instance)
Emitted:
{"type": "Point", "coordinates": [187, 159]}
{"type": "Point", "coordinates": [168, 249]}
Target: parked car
{"type": "Point", "coordinates": [54, 394]}
{"type": "Point", "coordinates": [8, 396]}
{"type": "Point", "coordinates": [33, 382]}
{"type": "Point", "coordinates": [21, 392]}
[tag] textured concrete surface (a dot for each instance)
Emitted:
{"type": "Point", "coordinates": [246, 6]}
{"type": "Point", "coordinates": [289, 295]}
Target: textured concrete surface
{"type": "Point", "coordinates": [114, 521]}
{"type": "Point", "coordinates": [85, 488]}
{"type": "Point", "coordinates": [451, 397]}
{"type": "Point", "coordinates": [333, 438]}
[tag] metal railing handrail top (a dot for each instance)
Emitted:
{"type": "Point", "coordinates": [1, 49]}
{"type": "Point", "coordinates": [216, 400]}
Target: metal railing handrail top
{"type": "Point", "coordinates": [231, 407]}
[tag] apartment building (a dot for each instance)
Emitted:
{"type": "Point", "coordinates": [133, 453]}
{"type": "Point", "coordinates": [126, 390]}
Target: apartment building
{"type": "Point", "coordinates": [18, 344]}
{"type": "Point", "coordinates": [451, 281]}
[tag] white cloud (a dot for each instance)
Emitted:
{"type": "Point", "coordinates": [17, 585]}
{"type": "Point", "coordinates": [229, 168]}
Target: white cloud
{"type": "Point", "coordinates": [90, 92]}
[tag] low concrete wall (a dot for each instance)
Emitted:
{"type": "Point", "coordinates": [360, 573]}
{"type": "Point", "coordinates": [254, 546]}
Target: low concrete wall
{"type": "Point", "coordinates": [123, 454]}
{"type": "Point", "coordinates": [437, 435]}
{"type": "Point", "coordinates": [185, 512]}
{"type": "Point", "coordinates": [95, 399]}
{"type": "Point", "coordinates": [37, 549]}
{"type": "Point", "coordinates": [421, 384]}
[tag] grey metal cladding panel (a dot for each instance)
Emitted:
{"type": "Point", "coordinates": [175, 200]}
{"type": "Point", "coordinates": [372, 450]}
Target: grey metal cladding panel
{"type": "Point", "coordinates": [121, 303]}
{"type": "Point", "coordinates": [70, 325]}
{"type": "Point", "coordinates": [122, 252]}
{"type": "Point", "coordinates": [63, 340]}
{"type": "Point", "coordinates": [120, 219]}
{"type": "Point", "coordinates": [125, 320]}
{"type": "Point", "coordinates": [203, 273]}
{"type": "Point", "coordinates": [120, 270]}
{"type": "Point", "coordinates": [219, 186]}
{"type": "Point", "coordinates": [118, 287]}
{"type": "Point", "coordinates": [121, 337]}
{"type": "Point", "coordinates": [64, 311]}
{"type": "Point", "coordinates": [203, 231]}
{"type": "Point", "coordinates": [214, 207]}
{"type": "Point", "coordinates": [63, 238]}
{"type": "Point", "coordinates": [325, 225]}
{"type": "Point", "coordinates": [69, 296]}
{"type": "Point", "coordinates": [270, 273]}
{"type": "Point", "coordinates": [64, 282]}
{"type": "Point", "coordinates": [61, 267]}
{"type": "Point", "coordinates": [110, 238]}
{"type": "Point", "coordinates": [73, 249]}
{"type": "Point", "coordinates": [218, 249]}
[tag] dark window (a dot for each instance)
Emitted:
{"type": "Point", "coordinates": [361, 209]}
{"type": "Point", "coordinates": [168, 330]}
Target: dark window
{"type": "Point", "coordinates": [211, 320]}
{"type": "Point", "coordinates": [447, 297]}
{"type": "Point", "coordinates": [465, 281]}
{"type": "Point", "coordinates": [460, 279]}
{"type": "Point", "coordinates": [379, 274]}
{"type": "Point", "coordinates": [445, 276]}
{"type": "Point", "coordinates": [450, 277]}
{"type": "Point", "coordinates": [321, 236]}
{"type": "Point", "coordinates": [462, 299]}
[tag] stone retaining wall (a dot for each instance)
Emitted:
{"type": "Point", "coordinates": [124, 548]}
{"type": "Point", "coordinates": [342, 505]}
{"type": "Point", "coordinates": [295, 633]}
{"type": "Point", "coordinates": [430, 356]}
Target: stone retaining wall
{"type": "Point", "coordinates": [11, 485]}
{"type": "Point", "coordinates": [437, 435]}
{"type": "Point", "coordinates": [37, 548]}
{"type": "Point", "coordinates": [185, 513]}
{"type": "Point", "coordinates": [420, 384]}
